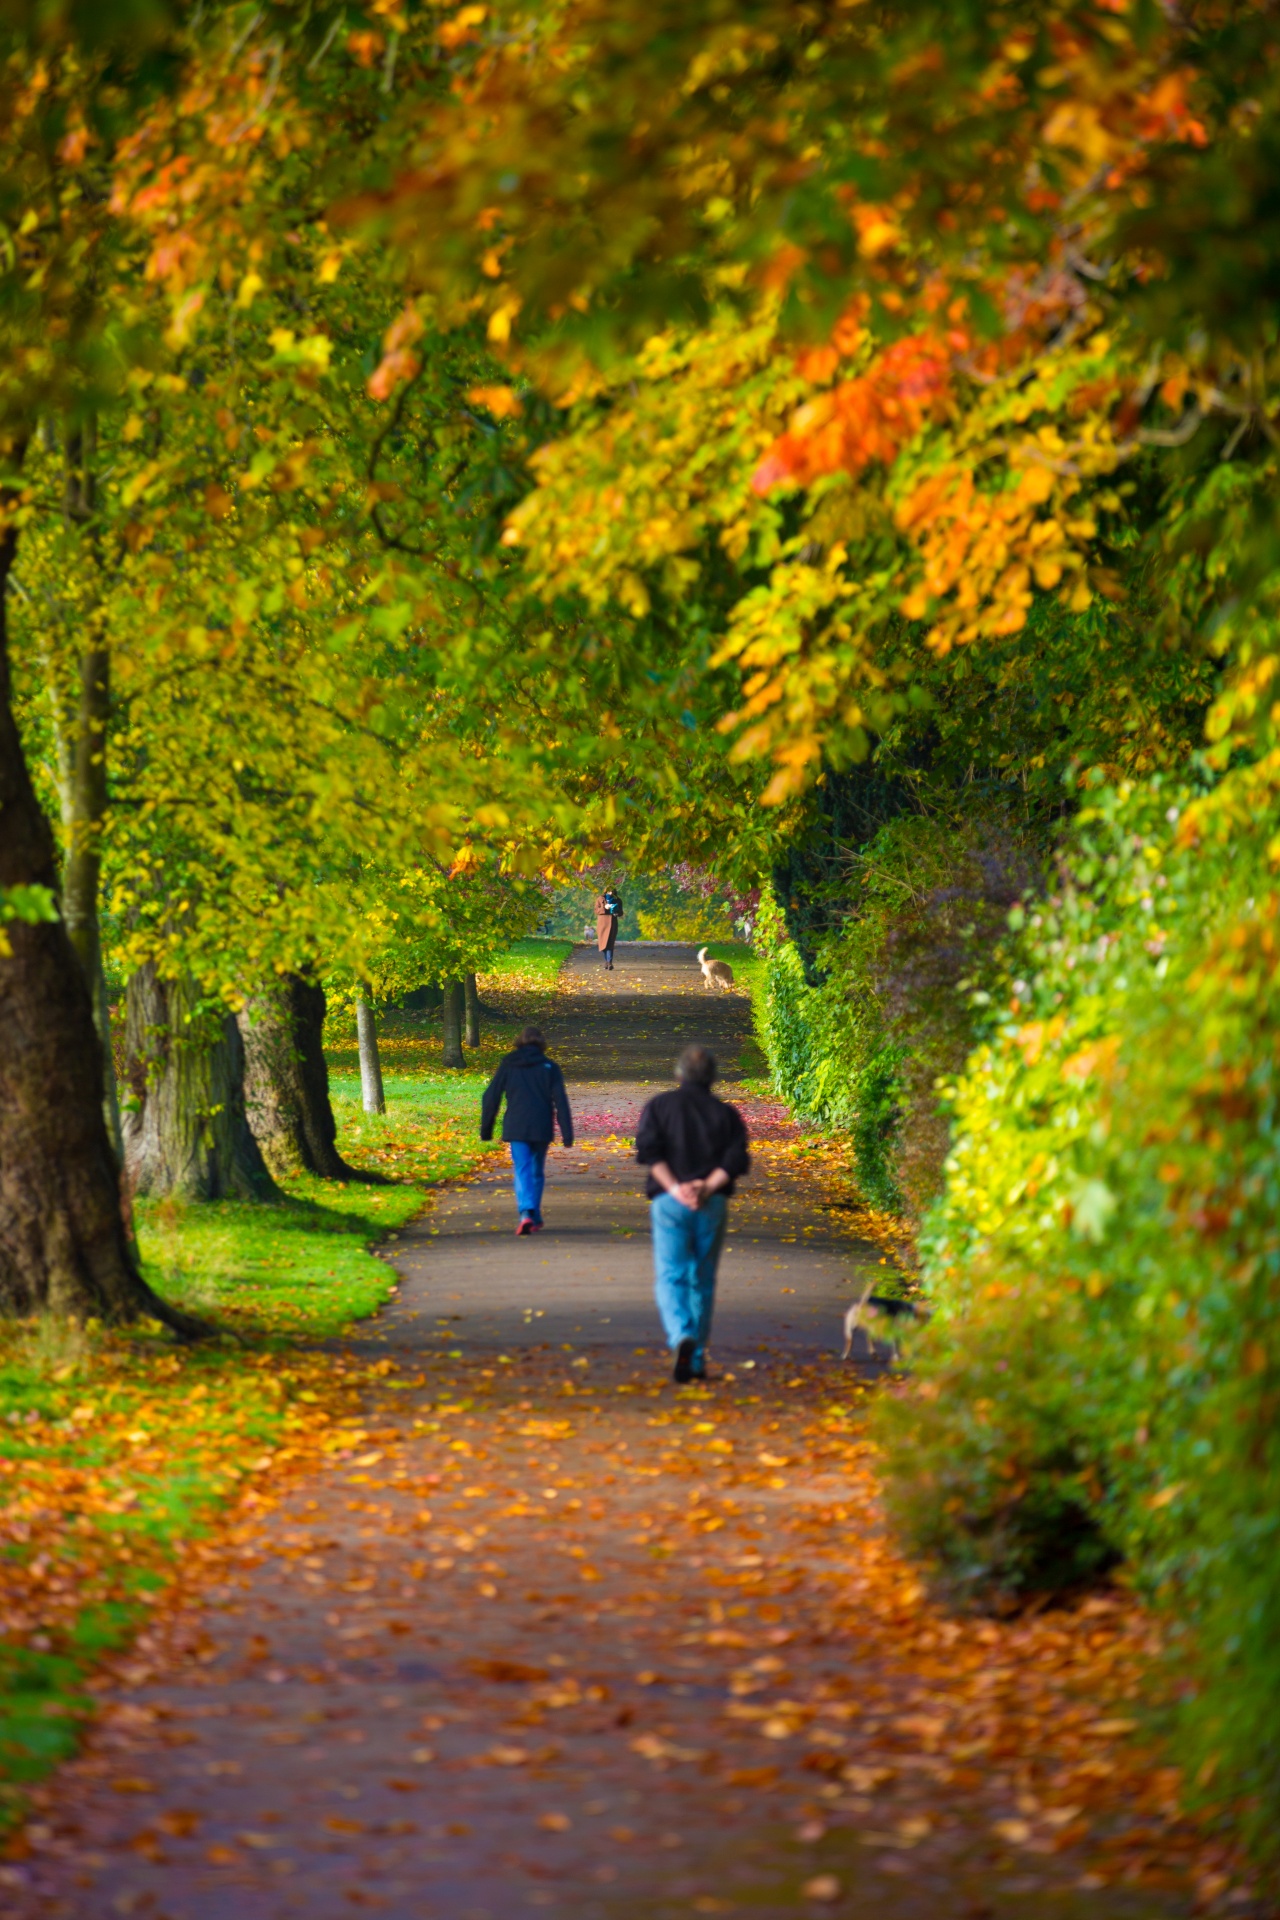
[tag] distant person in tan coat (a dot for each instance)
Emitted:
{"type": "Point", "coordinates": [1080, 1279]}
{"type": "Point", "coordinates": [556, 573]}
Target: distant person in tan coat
{"type": "Point", "coordinates": [608, 913]}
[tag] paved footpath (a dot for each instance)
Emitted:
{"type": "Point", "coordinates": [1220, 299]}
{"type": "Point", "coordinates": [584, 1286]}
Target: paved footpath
{"type": "Point", "coordinates": [550, 1634]}
{"type": "Point", "coordinates": [588, 1279]}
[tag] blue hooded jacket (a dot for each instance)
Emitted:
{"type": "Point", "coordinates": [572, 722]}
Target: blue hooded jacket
{"type": "Point", "coordinates": [535, 1094]}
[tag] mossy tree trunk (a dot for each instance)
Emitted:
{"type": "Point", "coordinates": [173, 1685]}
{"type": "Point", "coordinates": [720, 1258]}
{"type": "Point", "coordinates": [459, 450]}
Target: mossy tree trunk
{"type": "Point", "coordinates": [85, 801]}
{"type": "Point", "coordinates": [186, 1132]}
{"type": "Point", "coordinates": [64, 1248]}
{"type": "Point", "coordinates": [82, 871]}
{"type": "Point", "coordinates": [471, 996]}
{"type": "Point", "coordinates": [286, 1081]}
{"type": "Point", "coordinates": [451, 1019]}
{"type": "Point", "coordinates": [372, 1098]}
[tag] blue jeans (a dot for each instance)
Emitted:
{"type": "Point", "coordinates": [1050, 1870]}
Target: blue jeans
{"type": "Point", "coordinates": [686, 1253]}
{"type": "Point", "coordinates": [528, 1162]}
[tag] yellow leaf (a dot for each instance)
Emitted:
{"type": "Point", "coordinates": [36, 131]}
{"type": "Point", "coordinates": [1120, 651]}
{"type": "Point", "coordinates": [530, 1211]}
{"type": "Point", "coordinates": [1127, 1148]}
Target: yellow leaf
{"type": "Point", "coordinates": [499, 328]}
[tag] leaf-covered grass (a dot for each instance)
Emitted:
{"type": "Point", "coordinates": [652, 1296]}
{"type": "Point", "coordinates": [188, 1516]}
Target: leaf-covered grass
{"type": "Point", "coordinates": [749, 977]}
{"type": "Point", "coordinates": [118, 1449]}
{"type": "Point", "coordinates": [515, 989]}
{"type": "Point", "coordinates": [429, 1132]}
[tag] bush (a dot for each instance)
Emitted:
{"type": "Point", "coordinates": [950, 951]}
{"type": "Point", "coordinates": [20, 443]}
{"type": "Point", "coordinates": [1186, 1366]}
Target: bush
{"type": "Point", "coordinates": [994, 1476]}
{"type": "Point", "coordinates": [1104, 1362]}
{"type": "Point", "coordinates": [699, 922]}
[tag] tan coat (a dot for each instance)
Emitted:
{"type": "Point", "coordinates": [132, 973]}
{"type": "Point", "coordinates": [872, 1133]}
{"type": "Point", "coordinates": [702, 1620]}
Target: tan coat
{"type": "Point", "coordinates": [606, 926]}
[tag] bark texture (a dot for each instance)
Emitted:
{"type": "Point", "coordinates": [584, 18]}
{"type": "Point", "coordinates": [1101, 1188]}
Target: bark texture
{"type": "Point", "coordinates": [86, 797]}
{"type": "Point", "coordinates": [186, 1133]}
{"type": "Point", "coordinates": [451, 1017]}
{"type": "Point", "coordinates": [83, 870]}
{"type": "Point", "coordinates": [371, 1095]}
{"type": "Point", "coordinates": [471, 996]}
{"type": "Point", "coordinates": [286, 1082]}
{"type": "Point", "coordinates": [63, 1244]}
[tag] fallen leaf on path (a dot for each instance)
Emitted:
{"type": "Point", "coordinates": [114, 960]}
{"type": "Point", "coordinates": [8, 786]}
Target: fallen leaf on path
{"type": "Point", "coordinates": [653, 1747]}
{"type": "Point", "coordinates": [178, 1822]}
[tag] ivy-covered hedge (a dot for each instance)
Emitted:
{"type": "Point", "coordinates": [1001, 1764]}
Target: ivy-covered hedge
{"type": "Point", "coordinates": [831, 1059]}
{"type": "Point", "coordinates": [913, 914]}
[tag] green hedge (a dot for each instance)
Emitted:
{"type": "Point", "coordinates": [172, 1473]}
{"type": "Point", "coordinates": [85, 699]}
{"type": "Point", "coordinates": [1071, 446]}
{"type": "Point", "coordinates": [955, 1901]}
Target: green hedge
{"type": "Point", "coordinates": [917, 912]}
{"type": "Point", "coordinates": [1102, 1375]}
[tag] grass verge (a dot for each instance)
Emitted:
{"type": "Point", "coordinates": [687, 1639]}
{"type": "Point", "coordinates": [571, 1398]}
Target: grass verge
{"type": "Point", "coordinates": [748, 977]}
{"type": "Point", "coordinates": [430, 1130]}
{"type": "Point", "coordinates": [118, 1450]}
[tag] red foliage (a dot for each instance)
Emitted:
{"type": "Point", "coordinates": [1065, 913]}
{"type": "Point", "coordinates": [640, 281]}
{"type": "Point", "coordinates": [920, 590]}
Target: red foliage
{"type": "Point", "coordinates": [869, 418]}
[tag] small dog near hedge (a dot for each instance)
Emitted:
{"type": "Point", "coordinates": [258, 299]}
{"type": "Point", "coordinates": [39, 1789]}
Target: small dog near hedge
{"type": "Point", "coordinates": [882, 1307]}
{"type": "Point", "coordinates": [715, 973]}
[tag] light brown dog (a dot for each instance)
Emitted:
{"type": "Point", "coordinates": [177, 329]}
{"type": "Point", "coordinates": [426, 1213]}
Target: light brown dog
{"type": "Point", "coordinates": [715, 973]}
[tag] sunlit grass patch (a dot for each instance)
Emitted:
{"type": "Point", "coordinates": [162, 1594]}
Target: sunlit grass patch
{"type": "Point", "coordinates": [516, 988]}
{"type": "Point", "coordinates": [527, 967]}
{"type": "Point", "coordinates": [302, 1266]}
{"type": "Point", "coordinates": [430, 1131]}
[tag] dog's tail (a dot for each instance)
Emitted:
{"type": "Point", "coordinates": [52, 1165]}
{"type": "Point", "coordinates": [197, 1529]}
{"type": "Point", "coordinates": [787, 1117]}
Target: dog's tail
{"type": "Point", "coordinates": [853, 1318]}
{"type": "Point", "coordinates": [702, 954]}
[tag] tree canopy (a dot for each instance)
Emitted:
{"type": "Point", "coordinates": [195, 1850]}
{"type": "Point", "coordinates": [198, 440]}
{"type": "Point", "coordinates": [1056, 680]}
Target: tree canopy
{"type": "Point", "coordinates": [444, 447]}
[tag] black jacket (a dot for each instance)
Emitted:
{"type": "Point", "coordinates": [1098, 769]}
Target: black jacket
{"type": "Point", "coordinates": [534, 1086]}
{"type": "Point", "coordinates": [694, 1132]}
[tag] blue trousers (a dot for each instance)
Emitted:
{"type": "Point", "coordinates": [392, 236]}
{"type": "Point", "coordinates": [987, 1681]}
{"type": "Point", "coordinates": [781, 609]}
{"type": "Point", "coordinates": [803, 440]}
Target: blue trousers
{"type": "Point", "coordinates": [528, 1163]}
{"type": "Point", "coordinates": [686, 1254]}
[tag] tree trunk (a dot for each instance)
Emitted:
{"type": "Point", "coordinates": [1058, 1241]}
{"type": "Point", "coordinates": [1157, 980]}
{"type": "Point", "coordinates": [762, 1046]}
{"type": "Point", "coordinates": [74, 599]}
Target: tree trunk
{"type": "Point", "coordinates": [471, 996]}
{"type": "Point", "coordinates": [452, 1022]}
{"type": "Point", "coordinates": [286, 1082]}
{"type": "Point", "coordinates": [371, 1094]}
{"type": "Point", "coordinates": [187, 1134]}
{"type": "Point", "coordinates": [87, 796]}
{"type": "Point", "coordinates": [63, 1244]}
{"type": "Point", "coordinates": [83, 869]}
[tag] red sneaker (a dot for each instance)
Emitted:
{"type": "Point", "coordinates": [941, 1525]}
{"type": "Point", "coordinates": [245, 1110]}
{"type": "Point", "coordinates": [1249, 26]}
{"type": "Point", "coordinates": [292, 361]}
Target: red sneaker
{"type": "Point", "coordinates": [525, 1228]}
{"type": "Point", "coordinates": [537, 1226]}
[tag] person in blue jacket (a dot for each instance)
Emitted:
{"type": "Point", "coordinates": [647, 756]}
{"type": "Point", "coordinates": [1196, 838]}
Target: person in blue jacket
{"type": "Point", "coordinates": [536, 1097]}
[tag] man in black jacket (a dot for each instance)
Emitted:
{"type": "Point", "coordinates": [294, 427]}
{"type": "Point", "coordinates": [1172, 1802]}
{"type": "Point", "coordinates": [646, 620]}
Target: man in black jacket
{"type": "Point", "coordinates": [695, 1147]}
{"type": "Point", "coordinates": [535, 1093]}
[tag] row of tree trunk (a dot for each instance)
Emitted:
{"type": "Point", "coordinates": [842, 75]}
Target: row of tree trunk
{"type": "Point", "coordinates": [459, 1003]}
{"type": "Point", "coordinates": [221, 1106]}
{"type": "Point", "coordinates": [215, 1106]}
